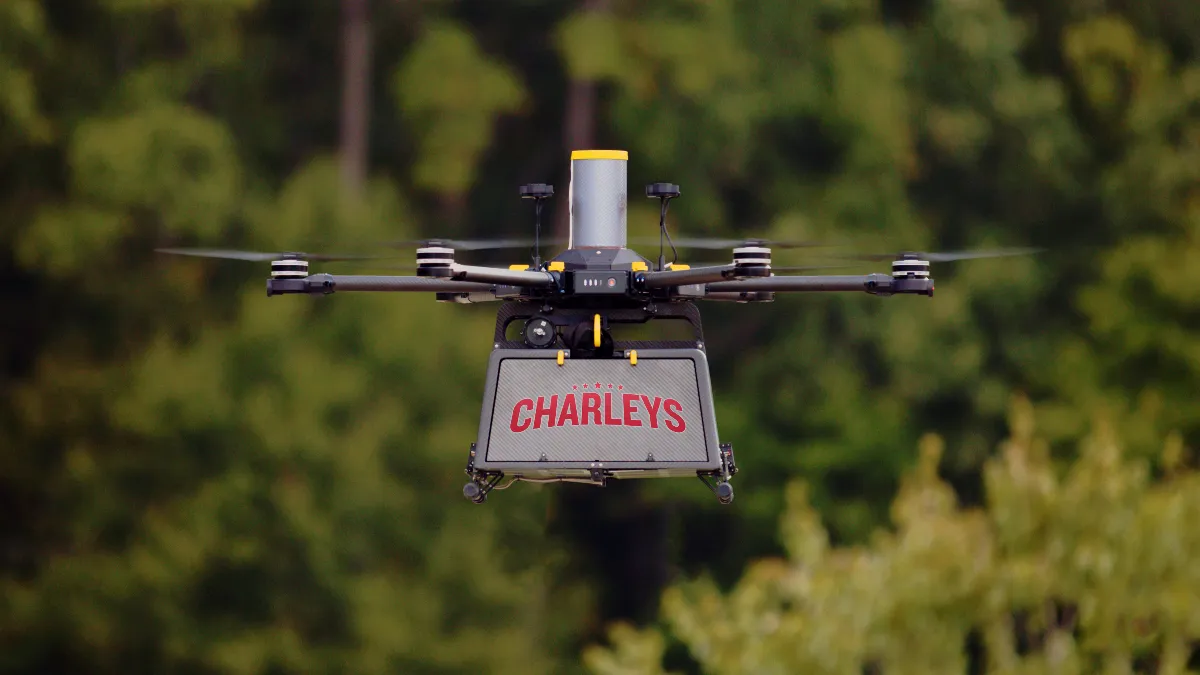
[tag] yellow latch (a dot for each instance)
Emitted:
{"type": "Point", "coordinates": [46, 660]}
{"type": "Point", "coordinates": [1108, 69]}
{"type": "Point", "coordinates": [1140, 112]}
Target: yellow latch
{"type": "Point", "coordinates": [560, 357]}
{"type": "Point", "coordinates": [596, 331]}
{"type": "Point", "coordinates": [639, 266]}
{"type": "Point", "coordinates": [518, 268]}
{"type": "Point", "coordinates": [673, 266]}
{"type": "Point", "coordinates": [556, 266]}
{"type": "Point", "coordinates": [633, 357]}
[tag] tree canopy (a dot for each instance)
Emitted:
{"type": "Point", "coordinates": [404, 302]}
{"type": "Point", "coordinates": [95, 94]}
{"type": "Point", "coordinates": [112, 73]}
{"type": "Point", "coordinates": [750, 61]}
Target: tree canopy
{"type": "Point", "coordinates": [1084, 571]}
{"type": "Point", "coordinates": [198, 478]}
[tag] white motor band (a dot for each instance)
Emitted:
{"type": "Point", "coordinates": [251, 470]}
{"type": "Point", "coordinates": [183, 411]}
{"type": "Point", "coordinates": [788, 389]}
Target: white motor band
{"type": "Point", "coordinates": [756, 256]}
{"type": "Point", "coordinates": [752, 249]}
{"type": "Point", "coordinates": [435, 257]}
{"type": "Point", "coordinates": [289, 269]}
{"type": "Point", "coordinates": [911, 268]}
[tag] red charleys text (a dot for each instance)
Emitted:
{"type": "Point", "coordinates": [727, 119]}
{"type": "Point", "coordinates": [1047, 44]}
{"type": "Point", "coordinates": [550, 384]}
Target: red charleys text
{"type": "Point", "coordinates": [607, 409]}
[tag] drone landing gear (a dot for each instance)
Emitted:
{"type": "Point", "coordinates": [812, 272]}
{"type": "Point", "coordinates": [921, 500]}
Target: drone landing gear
{"type": "Point", "coordinates": [477, 490]}
{"type": "Point", "coordinates": [481, 482]}
{"type": "Point", "coordinates": [718, 481]}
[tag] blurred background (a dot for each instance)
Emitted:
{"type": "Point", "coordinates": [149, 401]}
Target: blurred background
{"type": "Point", "coordinates": [197, 479]}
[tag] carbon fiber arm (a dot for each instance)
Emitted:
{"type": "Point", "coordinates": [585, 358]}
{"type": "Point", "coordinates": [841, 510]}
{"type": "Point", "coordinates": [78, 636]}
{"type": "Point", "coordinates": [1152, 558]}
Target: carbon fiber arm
{"type": "Point", "coordinates": [876, 284]}
{"type": "Point", "coordinates": [495, 275]}
{"type": "Point", "coordinates": [741, 296]}
{"type": "Point", "coordinates": [321, 284]}
{"type": "Point", "coordinates": [699, 275]}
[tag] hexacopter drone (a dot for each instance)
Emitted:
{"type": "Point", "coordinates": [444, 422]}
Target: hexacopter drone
{"type": "Point", "coordinates": [566, 401]}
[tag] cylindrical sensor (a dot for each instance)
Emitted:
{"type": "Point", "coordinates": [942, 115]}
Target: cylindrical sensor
{"type": "Point", "coordinates": [598, 195]}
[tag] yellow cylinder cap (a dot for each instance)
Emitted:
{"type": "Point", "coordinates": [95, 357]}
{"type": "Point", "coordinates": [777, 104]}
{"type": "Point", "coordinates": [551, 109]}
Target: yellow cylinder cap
{"type": "Point", "coordinates": [600, 154]}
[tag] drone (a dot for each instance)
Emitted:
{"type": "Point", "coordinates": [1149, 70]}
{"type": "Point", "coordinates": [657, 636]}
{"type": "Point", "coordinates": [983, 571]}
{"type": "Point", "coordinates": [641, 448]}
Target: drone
{"type": "Point", "coordinates": [564, 400]}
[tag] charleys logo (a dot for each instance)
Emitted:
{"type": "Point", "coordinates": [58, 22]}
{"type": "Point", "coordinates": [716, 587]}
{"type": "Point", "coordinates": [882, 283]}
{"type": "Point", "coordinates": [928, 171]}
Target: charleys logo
{"type": "Point", "coordinates": [611, 407]}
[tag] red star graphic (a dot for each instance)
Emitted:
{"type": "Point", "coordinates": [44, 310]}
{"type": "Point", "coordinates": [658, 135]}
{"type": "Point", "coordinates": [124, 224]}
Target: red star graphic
{"type": "Point", "coordinates": [585, 386]}
{"type": "Point", "coordinates": [620, 387]}
{"type": "Point", "coordinates": [610, 386]}
{"type": "Point", "coordinates": [574, 386]}
{"type": "Point", "coordinates": [597, 385]}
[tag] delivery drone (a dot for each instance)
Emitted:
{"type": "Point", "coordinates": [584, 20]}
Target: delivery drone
{"type": "Point", "coordinates": [565, 400]}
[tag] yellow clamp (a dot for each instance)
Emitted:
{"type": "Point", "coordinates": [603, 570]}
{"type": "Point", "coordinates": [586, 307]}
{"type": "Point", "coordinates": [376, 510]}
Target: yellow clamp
{"type": "Point", "coordinates": [596, 331]}
{"type": "Point", "coordinates": [560, 357]}
{"type": "Point", "coordinates": [639, 266]}
{"type": "Point", "coordinates": [518, 268]}
{"type": "Point", "coordinates": [633, 357]}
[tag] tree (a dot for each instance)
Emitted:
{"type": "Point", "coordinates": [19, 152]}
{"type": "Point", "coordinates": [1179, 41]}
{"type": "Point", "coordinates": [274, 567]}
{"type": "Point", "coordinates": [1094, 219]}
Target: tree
{"type": "Point", "coordinates": [356, 81]}
{"type": "Point", "coordinates": [1087, 570]}
{"type": "Point", "coordinates": [199, 478]}
{"type": "Point", "coordinates": [178, 436]}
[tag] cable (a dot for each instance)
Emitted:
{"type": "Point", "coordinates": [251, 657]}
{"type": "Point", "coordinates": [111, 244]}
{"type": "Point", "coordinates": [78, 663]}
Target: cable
{"type": "Point", "coordinates": [662, 231]}
{"type": "Point", "coordinates": [537, 234]}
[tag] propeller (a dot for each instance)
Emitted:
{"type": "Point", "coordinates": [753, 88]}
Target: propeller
{"type": "Point", "coordinates": [262, 256]}
{"type": "Point", "coordinates": [773, 267]}
{"type": "Point", "coordinates": [471, 244]}
{"type": "Point", "coordinates": [945, 256]}
{"type": "Point", "coordinates": [716, 244]}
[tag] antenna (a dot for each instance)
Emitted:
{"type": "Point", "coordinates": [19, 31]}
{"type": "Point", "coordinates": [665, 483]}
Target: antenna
{"type": "Point", "coordinates": [537, 192]}
{"type": "Point", "coordinates": [664, 192]}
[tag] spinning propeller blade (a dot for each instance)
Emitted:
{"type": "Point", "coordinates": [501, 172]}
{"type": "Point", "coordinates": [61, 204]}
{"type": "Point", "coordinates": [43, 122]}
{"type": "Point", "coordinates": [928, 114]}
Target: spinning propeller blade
{"type": "Point", "coordinates": [471, 244]}
{"type": "Point", "coordinates": [949, 256]}
{"type": "Point", "coordinates": [717, 244]}
{"type": "Point", "coordinates": [774, 268]}
{"type": "Point", "coordinates": [261, 256]}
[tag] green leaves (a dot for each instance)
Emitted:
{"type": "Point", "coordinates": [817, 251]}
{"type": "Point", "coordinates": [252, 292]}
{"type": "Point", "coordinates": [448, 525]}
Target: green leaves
{"type": "Point", "coordinates": [210, 479]}
{"type": "Point", "coordinates": [22, 32]}
{"type": "Point", "coordinates": [651, 54]}
{"type": "Point", "coordinates": [1106, 55]}
{"type": "Point", "coordinates": [592, 46]}
{"type": "Point", "coordinates": [170, 159]}
{"type": "Point", "coordinates": [869, 93]}
{"type": "Point", "coordinates": [63, 241]}
{"type": "Point", "coordinates": [452, 94]}
{"type": "Point", "coordinates": [1100, 552]}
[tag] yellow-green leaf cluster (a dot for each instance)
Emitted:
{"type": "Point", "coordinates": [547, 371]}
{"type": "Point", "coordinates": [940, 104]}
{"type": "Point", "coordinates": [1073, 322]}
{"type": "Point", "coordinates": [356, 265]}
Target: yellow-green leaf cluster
{"type": "Point", "coordinates": [1082, 571]}
{"type": "Point", "coordinates": [452, 94]}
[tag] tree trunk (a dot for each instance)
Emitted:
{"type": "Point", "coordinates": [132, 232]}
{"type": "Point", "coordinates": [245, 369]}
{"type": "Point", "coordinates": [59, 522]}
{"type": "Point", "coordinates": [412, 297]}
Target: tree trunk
{"type": "Point", "coordinates": [356, 78]}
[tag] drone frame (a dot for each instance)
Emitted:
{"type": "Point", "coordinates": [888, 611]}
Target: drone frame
{"type": "Point", "coordinates": [597, 280]}
{"type": "Point", "coordinates": [569, 305]}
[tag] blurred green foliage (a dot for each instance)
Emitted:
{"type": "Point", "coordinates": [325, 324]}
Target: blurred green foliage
{"type": "Point", "coordinates": [196, 478]}
{"type": "Point", "coordinates": [1091, 571]}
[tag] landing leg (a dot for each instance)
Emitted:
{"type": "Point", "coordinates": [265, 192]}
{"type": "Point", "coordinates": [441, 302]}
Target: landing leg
{"type": "Point", "coordinates": [718, 481]}
{"type": "Point", "coordinates": [724, 493]}
{"type": "Point", "coordinates": [474, 492]}
{"type": "Point", "coordinates": [481, 483]}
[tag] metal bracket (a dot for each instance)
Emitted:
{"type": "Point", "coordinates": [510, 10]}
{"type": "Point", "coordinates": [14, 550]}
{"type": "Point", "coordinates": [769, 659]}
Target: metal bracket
{"type": "Point", "coordinates": [512, 311]}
